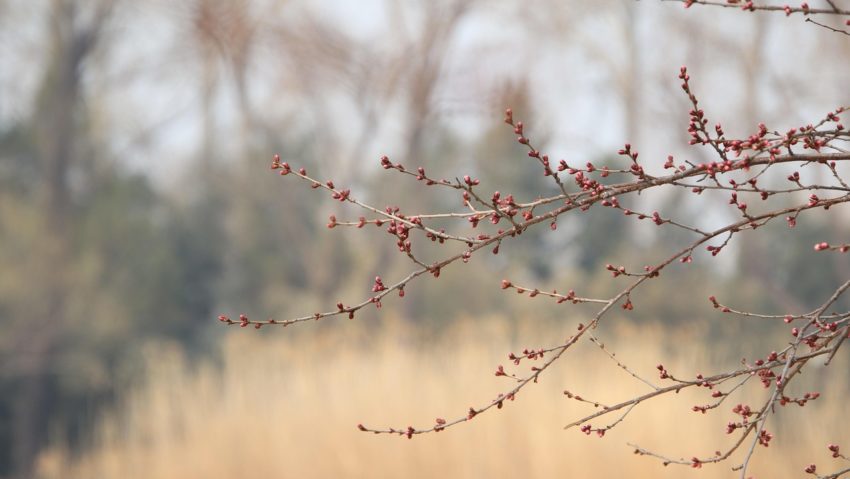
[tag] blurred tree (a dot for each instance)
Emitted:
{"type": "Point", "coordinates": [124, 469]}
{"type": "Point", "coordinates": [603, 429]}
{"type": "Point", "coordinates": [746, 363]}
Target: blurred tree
{"type": "Point", "coordinates": [93, 259]}
{"type": "Point", "coordinates": [53, 133]}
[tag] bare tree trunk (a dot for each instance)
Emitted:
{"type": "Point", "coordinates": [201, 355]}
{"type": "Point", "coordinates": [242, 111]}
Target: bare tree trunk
{"type": "Point", "coordinates": [54, 126]}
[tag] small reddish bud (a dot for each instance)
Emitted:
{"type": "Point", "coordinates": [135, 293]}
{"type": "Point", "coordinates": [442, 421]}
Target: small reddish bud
{"type": "Point", "coordinates": [834, 449]}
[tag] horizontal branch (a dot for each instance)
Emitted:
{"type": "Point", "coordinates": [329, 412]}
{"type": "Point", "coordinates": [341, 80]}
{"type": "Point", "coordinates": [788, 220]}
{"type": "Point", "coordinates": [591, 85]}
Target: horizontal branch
{"type": "Point", "coordinates": [752, 6]}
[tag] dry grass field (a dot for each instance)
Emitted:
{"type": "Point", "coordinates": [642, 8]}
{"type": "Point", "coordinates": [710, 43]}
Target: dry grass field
{"type": "Point", "coordinates": [286, 403]}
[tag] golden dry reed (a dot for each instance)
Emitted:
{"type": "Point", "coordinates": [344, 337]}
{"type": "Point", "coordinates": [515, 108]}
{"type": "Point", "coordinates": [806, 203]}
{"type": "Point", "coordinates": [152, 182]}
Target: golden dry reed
{"type": "Point", "coordinates": [285, 404]}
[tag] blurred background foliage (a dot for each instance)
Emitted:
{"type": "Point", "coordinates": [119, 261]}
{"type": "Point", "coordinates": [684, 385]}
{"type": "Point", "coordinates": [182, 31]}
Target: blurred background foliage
{"type": "Point", "coordinates": [136, 203]}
